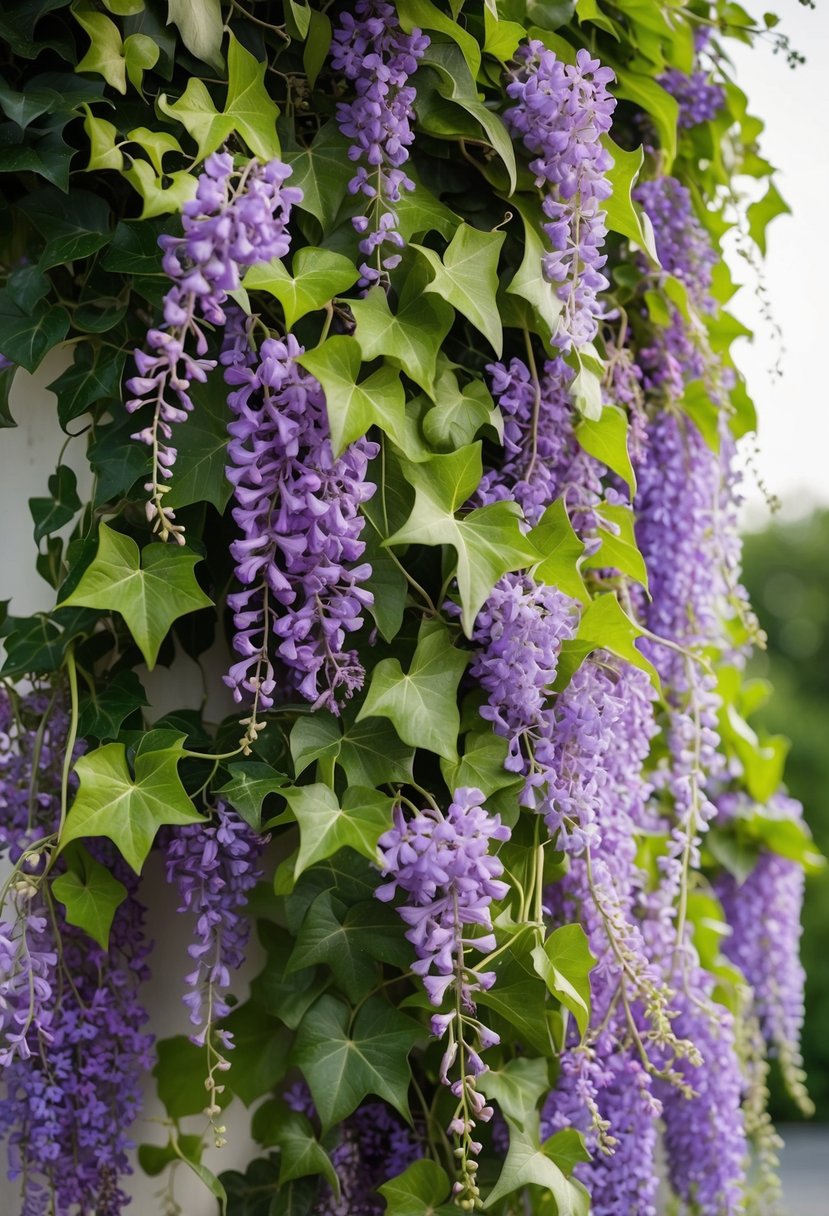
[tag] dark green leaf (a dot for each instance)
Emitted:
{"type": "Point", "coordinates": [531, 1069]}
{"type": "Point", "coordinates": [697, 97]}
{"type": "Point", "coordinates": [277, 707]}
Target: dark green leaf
{"type": "Point", "coordinates": [103, 711]}
{"type": "Point", "coordinates": [324, 938]}
{"type": "Point", "coordinates": [250, 784]}
{"type": "Point", "coordinates": [73, 227]}
{"type": "Point", "coordinates": [94, 376]}
{"type": "Point", "coordinates": [50, 514]}
{"type": "Point", "coordinates": [25, 338]}
{"type": "Point", "coordinates": [90, 894]}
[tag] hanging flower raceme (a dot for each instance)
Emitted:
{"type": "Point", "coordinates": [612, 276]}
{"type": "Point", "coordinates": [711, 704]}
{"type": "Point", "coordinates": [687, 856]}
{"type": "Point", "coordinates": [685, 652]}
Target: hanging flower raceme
{"type": "Point", "coordinates": [298, 508]}
{"type": "Point", "coordinates": [561, 113]}
{"type": "Point", "coordinates": [443, 866]}
{"type": "Point", "coordinates": [237, 219]}
{"type": "Point", "coordinates": [371, 50]}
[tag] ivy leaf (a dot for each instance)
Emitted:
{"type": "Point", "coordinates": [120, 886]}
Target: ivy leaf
{"type": "Point", "coordinates": [379, 928]}
{"type": "Point", "coordinates": [317, 275]}
{"type": "Point", "coordinates": [459, 412]}
{"type": "Point", "coordinates": [24, 108]}
{"type": "Point", "coordinates": [249, 104]}
{"type": "Point", "coordinates": [528, 1164]}
{"type": "Point", "coordinates": [518, 996]}
{"type": "Point", "coordinates": [467, 278]}
{"type": "Point", "coordinates": [529, 282]}
{"type": "Point", "coordinates": [301, 1154]}
{"type": "Point", "coordinates": [199, 117]}
{"type": "Point", "coordinates": [140, 55]}
{"type": "Point", "coordinates": [90, 895]}
{"type": "Point", "coordinates": [427, 16]}
{"type": "Point", "coordinates": [323, 938]}
{"type": "Point", "coordinates": [105, 56]}
{"type": "Point", "coordinates": [200, 24]}
{"type": "Point", "coordinates": [420, 1190]}
{"type": "Point", "coordinates": [560, 551]}
{"type": "Point", "coordinates": [72, 227]}
{"type": "Point", "coordinates": [488, 541]}
{"type": "Point", "coordinates": [7, 375]}
{"type": "Point", "coordinates": [129, 810]}
{"type": "Point", "coordinates": [604, 626]}
{"type": "Point", "coordinates": [325, 826]}
{"type": "Point", "coordinates": [618, 549]}
{"type": "Point", "coordinates": [103, 711]}
{"type": "Point", "coordinates": [564, 962]}
{"type": "Point", "coordinates": [250, 784]}
{"type": "Point", "coordinates": [179, 1074]}
{"type": "Point", "coordinates": [50, 514]}
{"type": "Point", "coordinates": [518, 1087]}
{"type": "Point", "coordinates": [160, 194]}
{"type": "Point", "coordinates": [260, 1051]}
{"type": "Point", "coordinates": [116, 461]}
{"type": "Point", "coordinates": [156, 144]}
{"type": "Point", "coordinates": [289, 995]}
{"type": "Point", "coordinates": [354, 408]}
{"type": "Point", "coordinates": [761, 213]}
{"type": "Point", "coordinates": [372, 754]}
{"type": "Point", "coordinates": [655, 101]}
{"type": "Point", "coordinates": [606, 438]}
{"type": "Point", "coordinates": [25, 338]}
{"type": "Point", "coordinates": [202, 448]}
{"type": "Point", "coordinates": [322, 172]}
{"type": "Point", "coordinates": [94, 376]}
{"type": "Point", "coordinates": [412, 337]}
{"type": "Point", "coordinates": [151, 588]}
{"type": "Point", "coordinates": [315, 737]}
{"type": "Point", "coordinates": [342, 1067]}
{"type": "Point", "coordinates": [421, 703]}
{"type": "Point", "coordinates": [623, 216]}
{"type": "Point", "coordinates": [482, 764]}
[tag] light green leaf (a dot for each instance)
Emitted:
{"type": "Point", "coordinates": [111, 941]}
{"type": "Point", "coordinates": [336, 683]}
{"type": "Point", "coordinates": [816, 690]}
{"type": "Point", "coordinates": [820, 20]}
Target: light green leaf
{"type": "Point", "coordinates": [467, 278]}
{"type": "Point", "coordinates": [421, 703]}
{"type": "Point", "coordinates": [156, 144]}
{"type": "Point", "coordinates": [201, 26]}
{"type": "Point", "coordinates": [325, 826]}
{"type": "Point", "coordinates": [658, 103]}
{"type": "Point", "coordinates": [618, 549]}
{"type": "Point", "coordinates": [481, 766]}
{"type": "Point", "coordinates": [151, 588]}
{"type": "Point", "coordinates": [427, 16]}
{"type": "Point", "coordinates": [606, 438]}
{"type": "Point", "coordinates": [140, 55]}
{"type": "Point", "coordinates": [623, 216]}
{"type": "Point", "coordinates": [560, 551]}
{"type": "Point", "coordinates": [604, 626]}
{"type": "Point", "coordinates": [411, 338]}
{"type": "Point", "coordinates": [529, 282]}
{"type": "Point", "coordinates": [105, 56]}
{"type": "Point", "coordinates": [459, 412]}
{"type": "Point", "coordinates": [761, 213]}
{"type": "Point", "coordinates": [564, 962]}
{"type": "Point", "coordinates": [129, 810]}
{"type": "Point", "coordinates": [199, 117]}
{"type": "Point", "coordinates": [518, 1087]}
{"type": "Point", "coordinates": [527, 1164]}
{"type": "Point", "coordinates": [322, 172]}
{"type": "Point", "coordinates": [344, 1066]}
{"type": "Point", "coordinates": [301, 15]}
{"type": "Point", "coordinates": [249, 104]}
{"type": "Point", "coordinates": [160, 199]}
{"type": "Point", "coordinates": [586, 385]}
{"type": "Point", "coordinates": [501, 38]}
{"type": "Point", "coordinates": [90, 895]}
{"type": "Point", "coordinates": [354, 408]}
{"type": "Point", "coordinates": [317, 276]}
{"type": "Point", "coordinates": [102, 136]}
{"type": "Point", "coordinates": [488, 541]}
{"type": "Point", "coordinates": [420, 1190]}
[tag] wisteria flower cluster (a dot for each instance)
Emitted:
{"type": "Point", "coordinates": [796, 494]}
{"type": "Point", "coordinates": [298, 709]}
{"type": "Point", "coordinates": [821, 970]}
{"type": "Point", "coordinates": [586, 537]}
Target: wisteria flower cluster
{"type": "Point", "coordinates": [236, 220]}
{"type": "Point", "coordinates": [561, 113]}
{"type": "Point", "coordinates": [373, 52]}
{"type": "Point", "coordinates": [298, 509]}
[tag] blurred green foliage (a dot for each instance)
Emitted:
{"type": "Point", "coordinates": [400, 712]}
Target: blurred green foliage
{"type": "Point", "coordinates": [786, 571]}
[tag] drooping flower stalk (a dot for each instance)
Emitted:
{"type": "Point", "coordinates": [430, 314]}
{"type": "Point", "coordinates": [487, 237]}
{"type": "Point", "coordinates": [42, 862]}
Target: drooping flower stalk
{"type": "Point", "coordinates": [236, 220]}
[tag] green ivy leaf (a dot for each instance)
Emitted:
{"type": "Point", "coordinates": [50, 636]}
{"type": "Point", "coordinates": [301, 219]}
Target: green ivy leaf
{"type": "Point", "coordinates": [140, 55]}
{"type": "Point", "coordinates": [301, 1154]}
{"type": "Point", "coordinates": [761, 213]}
{"type": "Point", "coordinates": [342, 1066]}
{"type": "Point", "coordinates": [354, 408]}
{"type": "Point", "coordinates": [201, 26]}
{"type": "Point", "coordinates": [655, 101]}
{"type": "Point", "coordinates": [250, 784]}
{"type": "Point", "coordinates": [199, 117]}
{"type": "Point", "coordinates": [103, 710]}
{"type": "Point", "coordinates": [618, 549]}
{"type": "Point", "coordinates": [7, 375]}
{"type": "Point", "coordinates": [427, 16]}
{"type": "Point", "coordinates": [623, 216]}
{"type": "Point", "coordinates": [155, 1158]}
{"type": "Point", "coordinates": [157, 144]}
{"type": "Point", "coordinates": [518, 1087]}
{"type": "Point", "coordinates": [372, 754]}
{"type": "Point", "coordinates": [325, 826]}
{"type": "Point", "coordinates": [317, 275]}
{"type": "Point", "coordinates": [529, 282]}
{"type": "Point", "coordinates": [90, 895]}
{"type": "Point", "coordinates": [560, 551]}
{"type": "Point", "coordinates": [482, 764]}
{"type": "Point", "coordinates": [459, 412]}
{"type": "Point", "coordinates": [288, 995]}
{"type": "Point", "coordinates": [421, 1190]}
{"type": "Point", "coordinates": [604, 626]}
{"type": "Point", "coordinates": [50, 514]}
{"type": "Point", "coordinates": [421, 703]}
{"type": "Point", "coordinates": [564, 962]}
{"type": "Point", "coordinates": [528, 1164]}
{"type": "Point", "coordinates": [322, 172]}
{"type": "Point", "coordinates": [151, 588]}
{"type": "Point", "coordinates": [103, 137]}
{"type": "Point", "coordinates": [317, 43]}
{"type": "Point", "coordinates": [105, 56]}
{"type": "Point", "coordinates": [411, 338]}
{"type": "Point", "coordinates": [606, 438]}
{"type": "Point", "coordinates": [518, 996]}
{"type": "Point", "coordinates": [160, 194]}
{"type": "Point", "coordinates": [129, 809]}
{"type": "Point", "coordinates": [26, 338]}
{"type": "Point", "coordinates": [94, 376]}
{"type": "Point", "coordinates": [202, 450]}
{"type": "Point", "coordinates": [72, 227]}
{"type": "Point", "coordinates": [488, 541]}
{"type": "Point", "coordinates": [467, 278]}
{"type": "Point", "coordinates": [249, 104]}
{"type": "Point", "coordinates": [179, 1074]}
{"type": "Point", "coordinates": [323, 938]}
{"type": "Point", "coordinates": [260, 1051]}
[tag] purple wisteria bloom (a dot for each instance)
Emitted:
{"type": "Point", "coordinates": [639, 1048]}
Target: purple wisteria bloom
{"type": "Point", "coordinates": [236, 220]}
{"type": "Point", "coordinates": [298, 509]}
{"type": "Point", "coordinates": [561, 113]}
{"type": "Point", "coordinates": [371, 50]}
